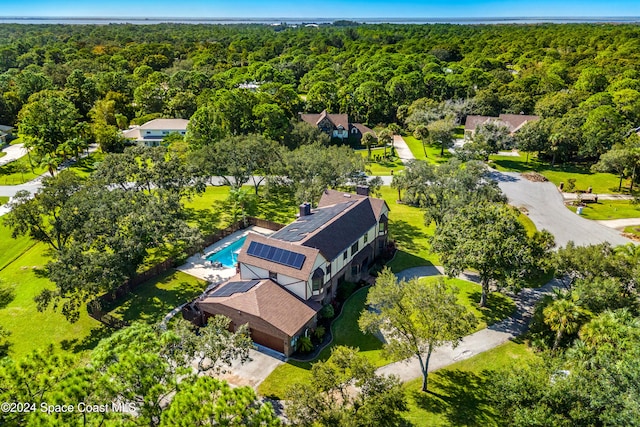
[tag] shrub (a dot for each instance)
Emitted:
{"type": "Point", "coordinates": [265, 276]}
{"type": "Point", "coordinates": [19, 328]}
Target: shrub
{"type": "Point", "coordinates": [319, 332]}
{"type": "Point", "coordinates": [345, 289]}
{"type": "Point", "coordinates": [327, 312]}
{"type": "Point", "coordinates": [571, 185]}
{"type": "Point", "coordinates": [305, 345]}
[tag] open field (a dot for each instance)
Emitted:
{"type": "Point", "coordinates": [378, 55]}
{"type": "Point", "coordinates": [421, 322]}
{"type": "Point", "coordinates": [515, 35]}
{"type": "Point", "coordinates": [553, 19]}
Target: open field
{"type": "Point", "coordinates": [381, 167]}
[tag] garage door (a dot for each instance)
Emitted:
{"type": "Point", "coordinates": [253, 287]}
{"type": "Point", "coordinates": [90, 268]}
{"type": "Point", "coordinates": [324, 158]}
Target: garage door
{"type": "Point", "coordinates": [267, 340]}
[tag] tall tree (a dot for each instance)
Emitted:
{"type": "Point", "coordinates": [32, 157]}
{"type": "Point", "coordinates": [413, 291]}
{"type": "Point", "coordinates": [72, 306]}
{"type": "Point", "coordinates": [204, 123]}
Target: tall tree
{"type": "Point", "coordinates": [415, 317]}
{"type": "Point", "coordinates": [441, 132]}
{"type": "Point", "coordinates": [489, 238]}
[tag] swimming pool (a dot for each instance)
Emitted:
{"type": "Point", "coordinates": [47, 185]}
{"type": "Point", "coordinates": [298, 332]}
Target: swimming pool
{"type": "Point", "coordinates": [228, 255]}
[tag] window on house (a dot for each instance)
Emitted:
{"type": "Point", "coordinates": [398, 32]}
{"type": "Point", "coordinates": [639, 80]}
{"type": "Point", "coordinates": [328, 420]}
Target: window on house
{"type": "Point", "coordinates": [316, 284]}
{"type": "Point", "coordinates": [329, 268]}
{"type": "Point", "coordinates": [148, 132]}
{"type": "Point", "coordinates": [354, 130]}
{"type": "Point", "coordinates": [344, 256]}
{"type": "Point", "coordinates": [354, 269]}
{"type": "Point", "coordinates": [383, 227]}
{"type": "Point", "coordinates": [354, 248]}
{"type": "Point", "coordinates": [273, 276]}
{"type": "Point", "coordinates": [366, 238]}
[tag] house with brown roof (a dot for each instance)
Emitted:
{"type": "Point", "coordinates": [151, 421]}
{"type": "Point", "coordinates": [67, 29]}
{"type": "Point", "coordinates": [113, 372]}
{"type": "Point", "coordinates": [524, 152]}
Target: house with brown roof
{"type": "Point", "coordinates": [336, 125]}
{"type": "Point", "coordinates": [513, 121]}
{"type": "Point", "coordinates": [284, 279]}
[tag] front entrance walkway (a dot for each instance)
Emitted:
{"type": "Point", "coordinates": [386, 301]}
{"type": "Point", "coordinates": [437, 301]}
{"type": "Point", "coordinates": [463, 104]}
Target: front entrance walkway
{"type": "Point", "coordinates": [402, 149]}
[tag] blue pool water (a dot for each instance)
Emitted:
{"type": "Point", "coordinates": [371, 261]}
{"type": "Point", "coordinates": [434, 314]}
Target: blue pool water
{"type": "Point", "coordinates": [228, 255]}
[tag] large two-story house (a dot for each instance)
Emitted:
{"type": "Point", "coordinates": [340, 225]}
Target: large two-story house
{"type": "Point", "coordinates": [336, 125]}
{"type": "Point", "coordinates": [154, 131]}
{"type": "Point", "coordinates": [284, 279]}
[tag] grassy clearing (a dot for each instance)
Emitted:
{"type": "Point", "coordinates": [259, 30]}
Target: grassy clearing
{"type": "Point", "coordinates": [86, 165]}
{"type": "Point", "coordinates": [456, 394]}
{"type": "Point", "coordinates": [19, 171]}
{"type": "Point", "coordinates": [633, 229]}
{"type": "Point", "coordinates": [432, 151]}
{"type": "Point", "coordinates": [610, 209]}
{"type": "Point", "coordinates": [345, 332]}
{"type": "Point", "coordinates": [381, 167]}
{"type": "Point", "coordinates": [406, 227]}
{"type": "Point", "coordinates": [11, 249]}
{"type": "Point", "coordinates": [599, 182]}
{"type": "Point", "coordinates": [154, 299]}
{"type": "Point", "coordinates": [4, 200]}
{"type": "Point", "coordinates": [2, 154]}
{"type": "Point", "coordinates": [498, 306]}
{"type": "Point", "coordinates": [30, 329]}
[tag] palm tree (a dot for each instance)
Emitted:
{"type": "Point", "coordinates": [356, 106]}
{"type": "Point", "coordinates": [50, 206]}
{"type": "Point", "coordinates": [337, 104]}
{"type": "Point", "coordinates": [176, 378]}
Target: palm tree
{"type": "Point", "coordinates": [369, 139]}
{"type": "Point", "coordinates": [564, 316]}
{"type": "Point", "coordinates": [385, 137]}
{"type": "Point", "coordinates": [421, 132]}
{"type": "Point", "coordinates": [50, 162]}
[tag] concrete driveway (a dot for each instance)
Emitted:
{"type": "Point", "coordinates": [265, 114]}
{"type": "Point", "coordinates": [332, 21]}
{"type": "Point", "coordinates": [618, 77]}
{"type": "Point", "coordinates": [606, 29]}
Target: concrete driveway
{"type": "Point", "coordinates": [14, 152]}
{"type": "Point", "coordinates": [547, 211]}
{"type": "Point", "coordinates": [251, 373]}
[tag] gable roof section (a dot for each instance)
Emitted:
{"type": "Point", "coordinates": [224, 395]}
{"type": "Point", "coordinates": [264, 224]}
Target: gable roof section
{"type": "Point", "coordinates": [516, 121]}
{"type": "Point", "coordinates": [473, 122]}
{"type": "Point", "coordinates": [362, 128]}
{"type": "Point", "coordinates": [336, 119]}
{"type": "Point", "coordinates": [165, 124]}
{"type": "Point", "coordinates": [270, 302]}
{"type": "Point", "coordinates": [302, 274]}
{"type": "Point", "coordinates": [343, 230]}
{"type": "Point", "coordinates": [309, 224]}
{"type": "Point", "coordinates": [332, 197]}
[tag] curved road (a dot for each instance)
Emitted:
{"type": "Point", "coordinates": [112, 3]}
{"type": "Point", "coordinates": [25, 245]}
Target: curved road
{"type": "Point", "coordinates": [546, 209]}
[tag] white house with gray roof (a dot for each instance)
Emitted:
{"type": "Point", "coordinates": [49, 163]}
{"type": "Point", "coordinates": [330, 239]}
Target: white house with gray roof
{"type": "Point", "coordinates": [154, 131]}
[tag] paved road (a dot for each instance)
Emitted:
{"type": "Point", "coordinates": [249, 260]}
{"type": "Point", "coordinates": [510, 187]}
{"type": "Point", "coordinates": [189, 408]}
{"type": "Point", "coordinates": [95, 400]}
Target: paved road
{"type": "Point", "coordinates": [547, 211]}
{"type": "Point", "coordinates": [14, 152]}
{"type": "Point", "coordinates": [476, 343]}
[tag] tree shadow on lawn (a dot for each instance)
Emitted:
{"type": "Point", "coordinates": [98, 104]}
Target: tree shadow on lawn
{"type": "Point", "coordinates": [89, 342]}
{"type": "Point", "coordinates": [208, 220]}
{"type": "Point", "coordinates": [7, 295]}
{"type": "Point", "coordinates": [405, 235]}
{"type": "Point", "coordinates": [150, 302]}
{"type": "Point", "coordinates": [498, 308]}
{"type": "Point", "coordinates": [460, 396]}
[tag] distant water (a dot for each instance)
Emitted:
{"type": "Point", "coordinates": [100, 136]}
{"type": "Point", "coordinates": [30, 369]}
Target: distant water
{"type": "Point", "coordinates": [302, 21]}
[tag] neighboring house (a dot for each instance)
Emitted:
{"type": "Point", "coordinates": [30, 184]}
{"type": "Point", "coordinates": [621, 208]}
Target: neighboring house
{"type": "Point", "coordinates": [284, 279]}
{"type": "Point", "coordinates": [513, 121]}
{"type": "Point", "coordinates": [5, 134]}
{"type": "Point", "coordinates": [153, 132]}
{"type": "Point", "coordinates": [336, 125]}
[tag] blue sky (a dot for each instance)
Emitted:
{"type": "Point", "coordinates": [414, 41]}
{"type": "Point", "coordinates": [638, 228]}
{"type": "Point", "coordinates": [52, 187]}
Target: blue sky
{"type": "Point", "coordinates": [321, 9]}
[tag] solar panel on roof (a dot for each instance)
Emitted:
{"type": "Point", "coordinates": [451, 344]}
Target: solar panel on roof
{"type": "Point", "coordinates": [234, 288]}
{"type": "Point", "coordinates": [277, 255]}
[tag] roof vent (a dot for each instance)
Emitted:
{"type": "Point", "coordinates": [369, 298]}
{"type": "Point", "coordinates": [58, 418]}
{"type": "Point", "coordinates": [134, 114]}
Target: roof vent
{"type": "Point", "coordinates": [347, 195]}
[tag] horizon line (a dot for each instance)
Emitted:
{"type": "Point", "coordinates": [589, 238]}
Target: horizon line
{"type": "Point", "coordinates": [355, 19]}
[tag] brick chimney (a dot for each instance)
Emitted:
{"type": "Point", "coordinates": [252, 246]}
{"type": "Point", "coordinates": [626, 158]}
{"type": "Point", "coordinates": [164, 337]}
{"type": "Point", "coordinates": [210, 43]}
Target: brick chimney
{"type": "Point", "coordinates": [305, 209]}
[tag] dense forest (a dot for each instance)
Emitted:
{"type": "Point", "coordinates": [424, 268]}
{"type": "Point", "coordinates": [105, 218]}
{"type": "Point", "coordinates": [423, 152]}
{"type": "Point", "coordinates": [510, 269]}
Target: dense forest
{"type": "Point", "coordinates": [582, 79]}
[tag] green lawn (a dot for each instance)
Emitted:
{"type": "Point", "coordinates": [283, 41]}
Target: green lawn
{"type": "Point", "coordinates": [21, 281]}
{"type": "Point", "coordinates": [11, 249]}
{"type": "Point", "coordinates": [19, 171]}
{"type": "Point", "coordinates": [633, 229]}
{"type": "Point", "coordinates": [406, 227]}
{"type": "Point", "coordinates": [86, 165]}
{"type": "Point", "coordinates": [610, 209]}
{"type": "Point", "coordinates": [2, 154]}
{"type": "Point", "coordinates": [456, 394]}
{"type": "Point", "coordinates": [528, 224]}
{"type": "Point", "coordinates": [381, 167]}
{"type": "Point", "coordinates": [432, 151]}
{"type": "Point", "coordinates": [154, 299]}
{"type": "Point", "coordinates": [345, 332]}
{"type": "Point", "coordinates": [498, 306]}
{"type": "Point", "coordinates": [600, 183]}
{"type": "Point", "coordinates": [4, 200]}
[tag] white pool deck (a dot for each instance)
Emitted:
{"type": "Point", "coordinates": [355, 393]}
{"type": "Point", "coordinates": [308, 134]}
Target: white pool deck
{"type": "Point", "coordinates": [198, 265]}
